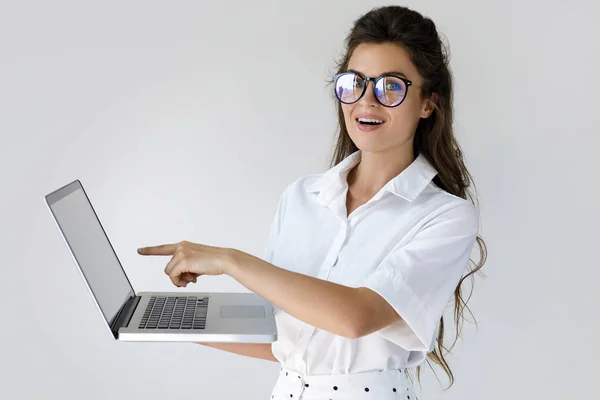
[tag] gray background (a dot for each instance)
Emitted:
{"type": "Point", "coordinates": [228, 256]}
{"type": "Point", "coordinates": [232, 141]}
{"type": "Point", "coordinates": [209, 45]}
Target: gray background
{"type": "Point", "coordinates": [170, 116]}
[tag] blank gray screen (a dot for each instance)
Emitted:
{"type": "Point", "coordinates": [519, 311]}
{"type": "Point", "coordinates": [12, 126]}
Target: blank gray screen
{"type": "Point", "coordinates": [91, 248]}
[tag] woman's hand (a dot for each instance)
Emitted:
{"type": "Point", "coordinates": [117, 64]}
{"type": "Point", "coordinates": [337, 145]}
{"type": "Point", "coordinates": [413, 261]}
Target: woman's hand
{"type": "Point", "coordinates": [190, 260]}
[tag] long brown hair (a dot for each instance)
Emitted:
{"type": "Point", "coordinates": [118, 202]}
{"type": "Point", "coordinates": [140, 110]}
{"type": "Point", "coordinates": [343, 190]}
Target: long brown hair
{"type": "Point", "coordinates": [434, 136]}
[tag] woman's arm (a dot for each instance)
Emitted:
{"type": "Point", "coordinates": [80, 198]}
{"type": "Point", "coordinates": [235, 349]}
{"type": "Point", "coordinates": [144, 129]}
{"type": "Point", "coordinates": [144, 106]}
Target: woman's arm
{"type": "Point", "coordinates": [326, 305]}
{"type": "Point", "coordinates": [256, 350]}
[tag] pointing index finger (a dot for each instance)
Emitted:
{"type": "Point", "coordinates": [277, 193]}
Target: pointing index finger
{"type": "Point", "coordinates": [162, 250]}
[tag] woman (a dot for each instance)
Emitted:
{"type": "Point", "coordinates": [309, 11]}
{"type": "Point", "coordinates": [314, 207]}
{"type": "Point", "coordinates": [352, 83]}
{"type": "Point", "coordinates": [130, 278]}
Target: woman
{"type": "Point", "coordinates": [362, 259]}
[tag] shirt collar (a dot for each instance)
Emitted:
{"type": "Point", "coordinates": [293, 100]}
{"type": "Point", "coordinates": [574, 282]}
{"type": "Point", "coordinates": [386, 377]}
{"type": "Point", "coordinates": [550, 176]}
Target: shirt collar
{"type": "Point", "coordinates": [408, 184]}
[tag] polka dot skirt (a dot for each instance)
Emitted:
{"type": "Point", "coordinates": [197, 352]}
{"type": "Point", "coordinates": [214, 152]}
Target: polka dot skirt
{"type": "Point", "coordinates": [378, 385]}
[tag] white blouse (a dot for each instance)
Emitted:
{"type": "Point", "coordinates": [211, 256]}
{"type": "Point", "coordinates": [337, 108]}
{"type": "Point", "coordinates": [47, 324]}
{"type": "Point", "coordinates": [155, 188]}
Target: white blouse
{"type": "Point", "coordinates": [410, 243]}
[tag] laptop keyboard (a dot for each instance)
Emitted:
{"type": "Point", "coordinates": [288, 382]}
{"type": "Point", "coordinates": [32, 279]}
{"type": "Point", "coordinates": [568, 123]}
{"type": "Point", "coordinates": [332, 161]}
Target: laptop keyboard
{"type": "Point", "coordinates": [175, 312]}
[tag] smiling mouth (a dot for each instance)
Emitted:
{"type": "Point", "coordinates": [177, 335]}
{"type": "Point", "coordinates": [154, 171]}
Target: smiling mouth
{"type": "Point", "coordinates": [369, 121]}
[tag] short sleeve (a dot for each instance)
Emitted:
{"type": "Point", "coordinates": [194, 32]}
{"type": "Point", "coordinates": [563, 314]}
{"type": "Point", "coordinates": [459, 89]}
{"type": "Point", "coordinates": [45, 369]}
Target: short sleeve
{"type": "Point", "coordinates": [419, 277]}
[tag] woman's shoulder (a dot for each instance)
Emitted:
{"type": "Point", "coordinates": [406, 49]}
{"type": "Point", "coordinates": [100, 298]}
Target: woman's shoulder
{"type": "Point", "coordinates": [447, 206]}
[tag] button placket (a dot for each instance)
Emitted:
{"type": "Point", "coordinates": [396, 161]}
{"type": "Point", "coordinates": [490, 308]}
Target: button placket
{"type": "Point", "coordinates": [336, 250]}
{"type": "Point", "coordinates": [332, 255]}
{"type": "Point", "coordinates": [324, 274]}
{"type": "Point", "coordinates": [344, 237]}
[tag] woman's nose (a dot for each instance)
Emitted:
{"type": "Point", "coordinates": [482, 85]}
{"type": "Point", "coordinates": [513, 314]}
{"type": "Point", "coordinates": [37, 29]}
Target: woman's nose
{"type": "Point", "coordinates": [369, 97]}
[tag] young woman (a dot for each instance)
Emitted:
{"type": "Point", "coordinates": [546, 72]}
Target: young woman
{"type": "Point", "coordinates": [362, 259]}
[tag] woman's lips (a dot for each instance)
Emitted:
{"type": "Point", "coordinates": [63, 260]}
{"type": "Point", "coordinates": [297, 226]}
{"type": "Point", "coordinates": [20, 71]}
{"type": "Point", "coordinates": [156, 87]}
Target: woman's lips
{"type": "Point", "coordinates": [368, 128]}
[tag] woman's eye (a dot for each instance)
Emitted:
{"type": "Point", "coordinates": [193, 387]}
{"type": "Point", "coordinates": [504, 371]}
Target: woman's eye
{"type": "Point", "coordinates": [392, 86]}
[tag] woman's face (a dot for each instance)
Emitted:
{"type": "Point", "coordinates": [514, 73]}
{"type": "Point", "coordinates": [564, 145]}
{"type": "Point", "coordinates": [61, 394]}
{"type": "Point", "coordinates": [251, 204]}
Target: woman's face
{"type": "Point", "coordinates": [400, 122]}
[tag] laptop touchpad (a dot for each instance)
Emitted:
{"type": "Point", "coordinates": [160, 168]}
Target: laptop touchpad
{"type": "Point", "coordinates": [243, 312]}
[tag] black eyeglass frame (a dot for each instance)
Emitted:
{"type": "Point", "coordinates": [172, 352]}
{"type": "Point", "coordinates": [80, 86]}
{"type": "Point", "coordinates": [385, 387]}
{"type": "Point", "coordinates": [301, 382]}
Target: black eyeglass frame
{"type": "Point", "coordinates": [366, 80]}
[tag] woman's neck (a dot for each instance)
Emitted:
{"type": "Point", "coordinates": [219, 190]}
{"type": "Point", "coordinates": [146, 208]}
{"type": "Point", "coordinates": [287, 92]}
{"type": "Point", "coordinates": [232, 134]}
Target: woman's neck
{"type": "Point", "coordinates": [375, 169]}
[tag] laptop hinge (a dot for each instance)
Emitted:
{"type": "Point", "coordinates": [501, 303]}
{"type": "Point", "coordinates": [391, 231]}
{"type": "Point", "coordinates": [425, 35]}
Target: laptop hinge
{"type": "Point", "coordinates": [124, 315]}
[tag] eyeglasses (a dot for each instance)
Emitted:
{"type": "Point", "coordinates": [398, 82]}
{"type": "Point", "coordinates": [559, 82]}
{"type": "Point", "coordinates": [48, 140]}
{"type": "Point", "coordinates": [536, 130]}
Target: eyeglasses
{"type": "Point", "coordinates": [390, 90]}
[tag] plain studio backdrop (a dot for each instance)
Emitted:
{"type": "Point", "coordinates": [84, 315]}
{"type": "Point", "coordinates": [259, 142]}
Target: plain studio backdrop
{"type": "Point", "coordinates": [186, 120]}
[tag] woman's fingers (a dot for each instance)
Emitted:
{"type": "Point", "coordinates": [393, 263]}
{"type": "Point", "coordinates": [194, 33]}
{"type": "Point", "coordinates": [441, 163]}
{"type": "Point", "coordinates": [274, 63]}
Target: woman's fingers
{"type": "Point", "coordinates": [188, 277]}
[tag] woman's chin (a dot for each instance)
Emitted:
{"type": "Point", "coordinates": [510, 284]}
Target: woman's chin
{"type": "Point", "coordinates": [368, 141]}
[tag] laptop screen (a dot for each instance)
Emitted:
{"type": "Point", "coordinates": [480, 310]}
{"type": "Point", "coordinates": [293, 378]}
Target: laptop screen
{"type": "Point", "coordinates": [91, 248]}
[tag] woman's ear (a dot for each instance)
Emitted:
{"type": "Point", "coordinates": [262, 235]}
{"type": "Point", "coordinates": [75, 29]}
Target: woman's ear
{"type": "Point", "coordinates": [429, 105]}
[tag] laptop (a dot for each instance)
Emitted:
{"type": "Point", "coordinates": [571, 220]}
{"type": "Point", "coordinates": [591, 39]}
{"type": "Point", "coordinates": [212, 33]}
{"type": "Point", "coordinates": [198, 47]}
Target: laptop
{"type": "Point", "coordinates": [151, 316]}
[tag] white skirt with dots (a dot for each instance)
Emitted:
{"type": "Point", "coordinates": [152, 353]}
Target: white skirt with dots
{"type": "Point", "coordinates": [379, 385]}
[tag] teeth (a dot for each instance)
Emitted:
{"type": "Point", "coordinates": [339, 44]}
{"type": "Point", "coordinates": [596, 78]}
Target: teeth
{"type": "Point", "coordinates": [370, 120]}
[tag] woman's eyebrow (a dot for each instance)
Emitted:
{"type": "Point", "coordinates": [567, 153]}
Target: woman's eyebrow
{"type": "Point", "coordinates": [389, 72]}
